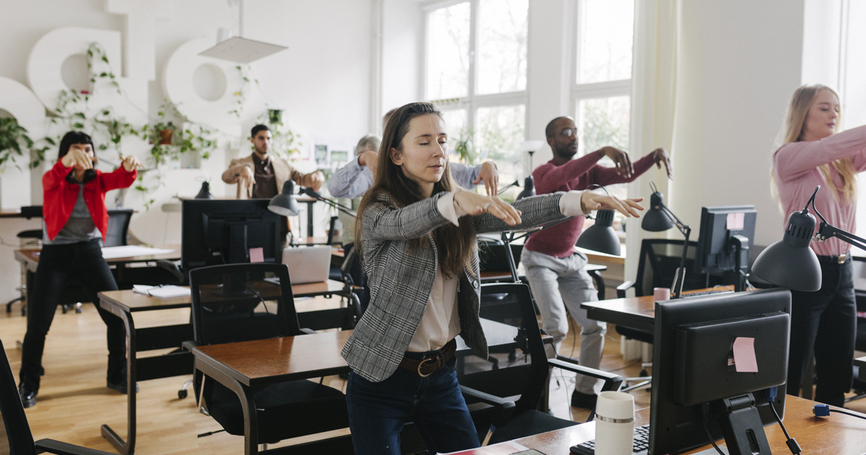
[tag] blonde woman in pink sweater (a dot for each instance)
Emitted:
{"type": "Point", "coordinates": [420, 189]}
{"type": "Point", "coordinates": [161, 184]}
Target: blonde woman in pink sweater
{"type": "Point", "coordinates": [813, 154]}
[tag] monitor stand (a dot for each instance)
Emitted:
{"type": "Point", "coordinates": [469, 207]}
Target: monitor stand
{"type": "Point", "coordinates": [741, 425]}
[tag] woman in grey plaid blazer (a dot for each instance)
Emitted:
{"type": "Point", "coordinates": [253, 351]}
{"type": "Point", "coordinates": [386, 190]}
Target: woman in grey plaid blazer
{"type": "Point", "coordinates": [417, 237]}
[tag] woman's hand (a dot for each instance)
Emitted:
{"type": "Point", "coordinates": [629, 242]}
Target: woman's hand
{"type": "Point", "coordinates": [490, 176]}
{"type": "Point", "coordinates": [130, 162]}
{"type": "Point", "coordinates": [476, 204]}
{"type": "Point", "coordinates": [77, 158]}
{"type": "Point", "coordinates": [629, 207]}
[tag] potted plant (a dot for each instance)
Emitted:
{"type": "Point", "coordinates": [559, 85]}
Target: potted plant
{"type": "Point", "coordinates": [14, 141]}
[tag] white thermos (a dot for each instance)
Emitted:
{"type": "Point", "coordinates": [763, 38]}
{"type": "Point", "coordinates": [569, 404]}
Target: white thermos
{"type": "Point", "coordinates": [614, 423]}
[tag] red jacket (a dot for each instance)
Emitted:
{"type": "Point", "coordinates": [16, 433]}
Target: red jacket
{"type": "Point", "coordinates": [59, 196]}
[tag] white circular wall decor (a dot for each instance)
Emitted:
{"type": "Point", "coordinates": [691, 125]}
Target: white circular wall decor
{"type": "Point", "coordinates": [179, 84]}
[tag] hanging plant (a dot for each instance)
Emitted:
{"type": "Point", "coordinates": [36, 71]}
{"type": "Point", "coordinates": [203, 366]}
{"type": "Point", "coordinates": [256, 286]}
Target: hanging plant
{"type": "Point", "coordinates": [243, 92]}
{"type": "Point", "coordinates": [170, 142]}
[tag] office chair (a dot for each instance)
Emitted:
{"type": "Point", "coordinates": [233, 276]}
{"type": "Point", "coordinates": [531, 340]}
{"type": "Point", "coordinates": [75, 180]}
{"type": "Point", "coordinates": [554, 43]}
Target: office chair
{"type": "Point", "coordinates": [511, 321]}
{"type": "Point", "coordinates": [30, 238]}
{"type": "Point", "coordinates": [658, 262]}
{"type": "Point", "coordinates": [15, 435]}
{"type": "Point", "coordinates": [232, 303]}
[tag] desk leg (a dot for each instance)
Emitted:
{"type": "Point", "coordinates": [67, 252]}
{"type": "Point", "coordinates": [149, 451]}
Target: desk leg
{"type": "Point", "coordinates": [126, 447]}
{"type": "Point", "coordinates": [248, 404]}
{"type": "Point", "coordinates": [599, 283]}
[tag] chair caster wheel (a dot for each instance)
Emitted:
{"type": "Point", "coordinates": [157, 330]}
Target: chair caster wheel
{"type": "Point", "coordinates": [181, 394]}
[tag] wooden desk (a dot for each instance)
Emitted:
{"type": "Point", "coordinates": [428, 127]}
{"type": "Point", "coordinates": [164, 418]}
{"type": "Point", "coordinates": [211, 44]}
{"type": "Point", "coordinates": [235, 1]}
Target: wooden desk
{"type": "Point", "coordinates": [838, 434]}
{"type": "Point", "coordinates": [124, 303]}
{"type": "Point", "coordinates": [310, 241]}
{"type": "Point", "coordinates": [633, 312]}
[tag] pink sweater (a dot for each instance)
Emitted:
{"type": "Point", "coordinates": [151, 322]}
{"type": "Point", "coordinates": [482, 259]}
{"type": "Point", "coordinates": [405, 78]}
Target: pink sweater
{"type": "Point", "coordinates": [795, 167]}
{"type": "Point", "coordinates": [558, 241]}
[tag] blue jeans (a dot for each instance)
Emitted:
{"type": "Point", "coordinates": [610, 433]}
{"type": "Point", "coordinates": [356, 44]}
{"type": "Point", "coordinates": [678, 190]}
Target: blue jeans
{"type": "Point", "coordinates": [378, 411]}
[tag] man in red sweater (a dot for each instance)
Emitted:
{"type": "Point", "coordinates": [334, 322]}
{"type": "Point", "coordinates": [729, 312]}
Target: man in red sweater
{"type": "Point", "coordinates": [554, 268]}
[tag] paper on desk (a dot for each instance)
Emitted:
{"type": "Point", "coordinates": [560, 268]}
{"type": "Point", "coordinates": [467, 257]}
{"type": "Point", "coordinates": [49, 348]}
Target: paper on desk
{"type": "Point", "coordinates": [502, 448]}
{"type": "Point", "coordinates": [162, 292]}
{"type": "Point", "coordinates": [125, 251]}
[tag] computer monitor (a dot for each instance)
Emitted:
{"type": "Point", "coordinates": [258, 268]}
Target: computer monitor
{"type": "Point", "coordinates": [727, 235]}
{"type": "Point", "coordinates": [695, 379]}
{"type": "Point", "coordinates": [217, 232]}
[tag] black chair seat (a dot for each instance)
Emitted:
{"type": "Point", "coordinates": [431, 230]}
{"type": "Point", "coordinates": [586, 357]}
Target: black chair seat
{"type": "Point", "coordinates": [286, 410]}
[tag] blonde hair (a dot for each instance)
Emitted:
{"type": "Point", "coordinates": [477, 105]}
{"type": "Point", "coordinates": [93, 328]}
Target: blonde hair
{"type": "Point", "coordinates": [792, 131]}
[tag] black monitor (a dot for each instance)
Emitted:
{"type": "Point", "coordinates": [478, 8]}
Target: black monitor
{"type": "Point", "coordinates": [727, 235]}
{"type": "Point", "coordinates": [694, 380]}
{"type": "Point", "coordinates": [217, 232]}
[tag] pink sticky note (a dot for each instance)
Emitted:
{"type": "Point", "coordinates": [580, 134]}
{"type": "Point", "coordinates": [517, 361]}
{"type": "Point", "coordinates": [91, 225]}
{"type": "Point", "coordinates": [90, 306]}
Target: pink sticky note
{"type": "Point", "coordinates": [744, 355]}
{"type": "Point", "coordinates": [257, 255]}
{"type": "Point", "coordinates": [735, 221]}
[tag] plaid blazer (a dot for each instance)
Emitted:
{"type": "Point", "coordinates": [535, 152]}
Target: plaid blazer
{"type": "Point", "coordinates": [400, 279]}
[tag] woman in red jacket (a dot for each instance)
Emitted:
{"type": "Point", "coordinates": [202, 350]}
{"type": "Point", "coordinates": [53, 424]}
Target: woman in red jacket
{"type": "Point", "coordinates": [75, 221]}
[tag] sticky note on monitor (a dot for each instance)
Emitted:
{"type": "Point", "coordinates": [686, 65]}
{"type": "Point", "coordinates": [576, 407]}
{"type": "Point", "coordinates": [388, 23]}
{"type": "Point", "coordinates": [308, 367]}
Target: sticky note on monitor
{"type": "Point", "coordinates": [744, 355]}
{"type": "Point", "coordinates": [736, 221]}
{"type": "Point", "coordinates": [257, 255]}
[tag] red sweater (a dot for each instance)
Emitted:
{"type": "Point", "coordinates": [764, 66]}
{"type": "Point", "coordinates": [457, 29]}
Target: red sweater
{"type": "Point", "coordinates": [558, 241]}
{"type": "Point", "coordinates": [59, 196]}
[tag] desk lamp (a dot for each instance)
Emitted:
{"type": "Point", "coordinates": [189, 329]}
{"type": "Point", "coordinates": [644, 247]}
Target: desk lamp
{"type": "Point", "coordinates": [315, 195]}
{"type": "Point", "coordinates": [659, 218]}
{"type": "Point", "coordinates": [600, 236]}
{"type": "Point", "coordinates": [204, 192]}
{"type": "Point", "coordinates": [284, 203]}
{"type": "Point", "coordinates": [528, 184]}
{"type": "Point", "coordinates": [790, 262]}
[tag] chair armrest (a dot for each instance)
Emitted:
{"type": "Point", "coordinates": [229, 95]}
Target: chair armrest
{"type": "Point", "coordinates": [171, 268]}
{"type": "Point", "coordinates": [612, 381]}
{"type": "Point", "coordinates": [503, 408]}
{"type": "Point", "coordinates": [625, 286]}
{"type": "Point", "coordinates": [62, 448]}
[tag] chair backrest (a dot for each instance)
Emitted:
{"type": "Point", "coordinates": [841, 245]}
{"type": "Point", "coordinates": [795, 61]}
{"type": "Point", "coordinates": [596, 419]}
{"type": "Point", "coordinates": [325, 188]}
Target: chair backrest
{"type": "Point", "coordinates": [31, 211]}
{"type": "Point", "coordinates": [659, 260]}
{"type": "Point", "coordinates": [118, 226]}
{"type": "Point", "coordinates": [15, 436]}
{"type": "Point", "coordinates": [242, 302]}
{"type": "Point", "coordinates": [518, 367]}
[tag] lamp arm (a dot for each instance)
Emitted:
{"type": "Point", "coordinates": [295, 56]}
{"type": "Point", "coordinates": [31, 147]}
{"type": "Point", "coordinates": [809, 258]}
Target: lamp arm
{"type": "Point", "coordinates": [681, 273]}
{"type": "Point", "coordinates": [827, 231]}
{"type": "Point", "coordinates": [315, 195]}
{"type": "Point", "coordinates": [684, 228]}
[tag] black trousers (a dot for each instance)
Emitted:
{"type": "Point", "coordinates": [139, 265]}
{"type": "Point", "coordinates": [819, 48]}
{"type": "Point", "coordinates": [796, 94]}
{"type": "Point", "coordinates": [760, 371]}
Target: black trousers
{"type": "Point", "coordinates": [824, 322]}
{"type": "Point", "coordinates": [84, 263]}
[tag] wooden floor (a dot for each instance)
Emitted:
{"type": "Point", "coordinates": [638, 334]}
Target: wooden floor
{"type": "Point", "coordinates": [73, 401]}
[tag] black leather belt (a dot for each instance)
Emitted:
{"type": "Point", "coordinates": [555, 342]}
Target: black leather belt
{"type": "Point", "coordinates": [431, 361]}
{"type": "Point", "coordinates": [840, 259]}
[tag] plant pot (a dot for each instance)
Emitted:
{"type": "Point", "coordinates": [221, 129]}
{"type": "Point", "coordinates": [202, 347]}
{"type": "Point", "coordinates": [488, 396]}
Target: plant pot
{"type": "Point", "coordinates": [275, 115]}
{"type": "Point", "coordinates": [165, 137]}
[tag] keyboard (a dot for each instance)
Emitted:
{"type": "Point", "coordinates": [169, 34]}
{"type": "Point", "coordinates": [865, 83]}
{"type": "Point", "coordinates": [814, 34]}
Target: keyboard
{"type": "Point", "coordinates": [687, 294]}
{"type": "Point", "coordinates": [640, 443]}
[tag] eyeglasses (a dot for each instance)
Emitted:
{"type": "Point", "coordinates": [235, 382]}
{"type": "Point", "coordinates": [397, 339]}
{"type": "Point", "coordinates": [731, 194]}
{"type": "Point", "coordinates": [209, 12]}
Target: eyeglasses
{"type": "Point", "coordinates": [568, 132]}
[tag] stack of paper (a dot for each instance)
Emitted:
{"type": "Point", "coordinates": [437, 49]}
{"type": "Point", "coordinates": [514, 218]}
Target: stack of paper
{"type": "Point", "coordinates": [162, 292]}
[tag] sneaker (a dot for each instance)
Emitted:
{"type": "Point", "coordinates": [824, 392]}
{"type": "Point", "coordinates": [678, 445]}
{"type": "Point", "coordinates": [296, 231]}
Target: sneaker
{"type": "Point", "coordinates": [583, 400]}
{"type": "Point", "coordinates": [27, 391]}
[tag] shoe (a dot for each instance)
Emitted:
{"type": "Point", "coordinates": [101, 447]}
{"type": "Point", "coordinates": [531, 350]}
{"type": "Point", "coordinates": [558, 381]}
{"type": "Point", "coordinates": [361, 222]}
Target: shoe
{"type": "Point", "coordinates": [121, 386]}
{"type": "Point", "coordinates": [28, 391]}
{"type": "Point", "coordinates": [583, 400]}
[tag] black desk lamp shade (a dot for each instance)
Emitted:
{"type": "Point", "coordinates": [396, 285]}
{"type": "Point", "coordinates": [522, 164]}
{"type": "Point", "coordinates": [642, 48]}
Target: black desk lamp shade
{"type": "Point", "coordinates": [790, 262]}
{"type": "Point", "coordinates": [654, 220]}
{"type": "Point", "coordinates": [285, 203]}
{"type": "Point", "coordinates": [601, 236]}
{"type": "Point", "coordinates": [204, 192]}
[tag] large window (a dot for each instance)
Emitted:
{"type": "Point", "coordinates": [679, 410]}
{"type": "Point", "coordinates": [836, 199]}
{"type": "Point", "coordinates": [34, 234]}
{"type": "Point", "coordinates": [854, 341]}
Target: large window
{"type": "Point", "coordinates": [602, 75]}
{"type": "Point", "coordinates": [475, 71]}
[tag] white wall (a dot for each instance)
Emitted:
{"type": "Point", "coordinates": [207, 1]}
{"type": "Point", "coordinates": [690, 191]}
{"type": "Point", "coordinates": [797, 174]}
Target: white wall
{"type": "Point", "coordinates": [322, 81]}
{"type": "Point", "coordinates": [739, 63]}
{"type": "Point", "coordinates": [402, 54]}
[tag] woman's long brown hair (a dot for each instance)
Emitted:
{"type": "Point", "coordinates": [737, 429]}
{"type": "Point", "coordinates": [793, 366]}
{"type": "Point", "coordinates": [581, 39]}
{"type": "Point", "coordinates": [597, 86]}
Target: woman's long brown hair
{"type": "Point", "coordinates": [453, 244]}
